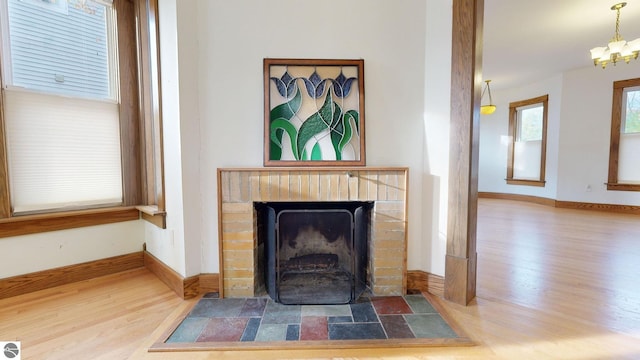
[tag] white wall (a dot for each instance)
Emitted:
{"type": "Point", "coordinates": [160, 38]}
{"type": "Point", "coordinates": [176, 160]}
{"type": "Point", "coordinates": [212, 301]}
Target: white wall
{"type": "Point", "coordinates": [585, 135]}
{"type": "Point", "coordinates": [494, 141]}
{"type": "Point", "coordinates": [30, 253]}
{"type": "Point", "coordinates": [577, 137]}
{"type": "Point", "coordinates": [211, 58]}
{"type": "Point", "coordinates": [235, 36]}
{"type": "Point", "coordinates": [220, 48]}
{"type": "Point", "coordinates": [437, 115]}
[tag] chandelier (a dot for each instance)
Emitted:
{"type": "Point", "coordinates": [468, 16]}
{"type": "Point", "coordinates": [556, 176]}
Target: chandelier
{"type": "Point", "coordinates": [617, 49]}
{"type": "Point", "coordinates": [487, 109]}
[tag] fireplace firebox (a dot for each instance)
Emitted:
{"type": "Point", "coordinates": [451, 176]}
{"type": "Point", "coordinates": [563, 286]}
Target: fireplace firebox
{"type": "Point", "coordinates": [314, 252]}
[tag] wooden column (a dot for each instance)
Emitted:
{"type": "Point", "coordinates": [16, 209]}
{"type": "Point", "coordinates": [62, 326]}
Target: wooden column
{"type": "Point", "coordinates": [466, 67]}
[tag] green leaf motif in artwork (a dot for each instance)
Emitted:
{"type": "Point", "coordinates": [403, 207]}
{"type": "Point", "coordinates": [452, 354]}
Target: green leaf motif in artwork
{"type": "Point", "coordinates": [316, 123]}
{"type": "Point", "coordinates": [280, 113]}
{"type": "Point", "coordinates": [280, 126]}
{"type": "Point", "coordinates": [341, 128]}
{"type": "Point", "coordinates": [336, 130]}
{"type": "Point", "coordinates": [316, 152]}
{"type": "Point", "coordinates": [347, 134]}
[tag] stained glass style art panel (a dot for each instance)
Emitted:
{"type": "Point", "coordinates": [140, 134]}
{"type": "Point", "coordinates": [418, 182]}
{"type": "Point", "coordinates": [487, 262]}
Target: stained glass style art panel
{"type": "Point", "coordinates": [314, 112]}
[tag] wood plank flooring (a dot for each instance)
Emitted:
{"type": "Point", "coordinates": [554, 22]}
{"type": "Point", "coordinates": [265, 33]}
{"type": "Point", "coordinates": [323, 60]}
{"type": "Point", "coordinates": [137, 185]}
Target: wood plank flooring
{"type": "Point", "coordinates": [552, 284]}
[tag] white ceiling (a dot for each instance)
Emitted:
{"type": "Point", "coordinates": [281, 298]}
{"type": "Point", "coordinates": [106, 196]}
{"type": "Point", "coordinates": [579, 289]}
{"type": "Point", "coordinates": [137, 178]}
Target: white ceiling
{"type": "Point", "coordinates": [529, 40]}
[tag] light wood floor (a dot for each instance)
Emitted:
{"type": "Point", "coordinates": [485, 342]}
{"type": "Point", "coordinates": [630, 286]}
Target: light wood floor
{"type": "Point", "coordinates": [552, 284]}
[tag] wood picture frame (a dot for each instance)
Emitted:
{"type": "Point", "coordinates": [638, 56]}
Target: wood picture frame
{"type": "Point", "coordinates": [314, 112]}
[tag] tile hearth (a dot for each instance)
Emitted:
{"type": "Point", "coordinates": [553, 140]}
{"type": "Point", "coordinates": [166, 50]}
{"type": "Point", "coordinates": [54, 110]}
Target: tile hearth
{"type": "Point", "coordinates": [263, 320]}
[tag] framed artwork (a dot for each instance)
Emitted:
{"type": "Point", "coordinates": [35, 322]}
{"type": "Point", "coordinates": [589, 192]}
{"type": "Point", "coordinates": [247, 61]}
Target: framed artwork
{"type": "Point", "coordinates": [314, 112]}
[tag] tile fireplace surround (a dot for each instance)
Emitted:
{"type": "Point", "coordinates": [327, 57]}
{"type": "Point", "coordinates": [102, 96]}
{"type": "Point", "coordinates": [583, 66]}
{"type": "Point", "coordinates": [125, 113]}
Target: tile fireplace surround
{"type": "Point", "coordinates": [238, 189]}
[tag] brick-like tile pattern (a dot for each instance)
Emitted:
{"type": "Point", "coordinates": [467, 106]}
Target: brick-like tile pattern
{"type": "Point", "coordinates": [239, 188]}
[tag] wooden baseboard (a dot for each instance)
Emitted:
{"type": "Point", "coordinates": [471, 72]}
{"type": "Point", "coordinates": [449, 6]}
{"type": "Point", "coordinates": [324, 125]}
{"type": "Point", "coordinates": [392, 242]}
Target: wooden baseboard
{"type": "Point", "coordinates": [627, 209]}
{"type": "Point", "coordinates": [185, 288]}
{"type": "Point", "coordinates": [425, 282]}
{"type": "Point", "coordinates": [209, 283]}
{"type": "Point", "coordinates": [518, 197]}
{"type": "Point", "coordinates": [23, 284]}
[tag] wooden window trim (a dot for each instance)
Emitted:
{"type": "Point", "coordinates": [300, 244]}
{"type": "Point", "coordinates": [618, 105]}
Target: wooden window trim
{"type": "Point", "coordinates": [526, 182]}
{"type": "Point", "coordinates": [544, 99]}
{"type": "Point", "coordinates": [31, 224]}
{"type": "Point", "coordinates": [143, 175]}
{"type": "Point", "coordinates": [614, 146]}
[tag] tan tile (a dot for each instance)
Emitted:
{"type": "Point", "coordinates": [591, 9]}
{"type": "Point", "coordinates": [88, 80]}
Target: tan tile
{"type": "Point", "coordinates": [254, 181]}
{"type": "Point", "coordinates": [389, 235]}
{"type": "Point", "coordinates": [363, 185]}
{"type": "Point", "coordinates": [224, 185]}
{"type": "Point", "coordinates": [235, 187]}
{"type": "Point", "coordinates": [324, 186]}
{"type": "Point", "coordinates": [388, 226]}
{"type": "Point", "coordinates": [388, 281]}
{"type": "Point", "coordinates": [314, 186]}
{"type": "Point", "coordinates": [294, 186]}
{"type": "Point", "coordinates": [354, 186]}
{"type": "Point", "coordinates": [238, 254]}
{"type": "Point", "coordinates": [238, 226]}
{"type": "Point", "coordinates": [389, 244]}
{"type": "Point", "coordinates": [386, 272]}
{"type": "Point", "coordinates": [245, 186]}
{"type": "Point", "coordinates": [284, 187]}
{"type": "Point", "coordinates": [334, 187]}
{"type": "Point", "coordinates": [343, 188]}
{"type": "Point", "coordinates": [265, 190]}
{"type": "Point", "coordinates": [232, 244]}
{"type": "Point", "coordinates": [274, 186]}
{"type": "Point", "coordinates": [237, 217]}
{"type": "Point", "coordinates": [239, 273]}
{"type": "Point", "coordinates": [237, 263]}
{"type": "Point", "coordinates": [304, 186]}
{"type": "Point", "coordinates": [237, 207]}
{"type": "Point", "coordinates": [386, 262]}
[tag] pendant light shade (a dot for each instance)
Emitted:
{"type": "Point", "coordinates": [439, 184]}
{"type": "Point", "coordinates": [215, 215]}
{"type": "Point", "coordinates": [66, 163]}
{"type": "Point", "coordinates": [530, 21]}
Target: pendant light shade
{"type": "Point", "coordinates": [490, 108]}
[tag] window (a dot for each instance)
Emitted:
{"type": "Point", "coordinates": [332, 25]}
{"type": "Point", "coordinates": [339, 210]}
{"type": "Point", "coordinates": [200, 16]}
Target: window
{"type": "Point", "coordinates": [624, 172]}
{"type": "Point", "coordinates": [61, 105]}
{"type": "Point", "coordinates": [79, 109]}
{"type": "Point", "coordinates": [527, 146]}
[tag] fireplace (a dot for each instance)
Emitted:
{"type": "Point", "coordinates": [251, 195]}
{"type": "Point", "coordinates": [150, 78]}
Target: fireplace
{"type": "Point", "coordinates": [384, 190]}
{"type": "Point", "coordinates": [314, 252]}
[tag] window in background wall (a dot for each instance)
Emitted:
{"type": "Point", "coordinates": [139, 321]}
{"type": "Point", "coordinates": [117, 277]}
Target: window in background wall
{"type": "Point", "coordinates": [624, 171]}
{"type": "Point", "coordinates": [80, 126]}
{"type": "Point", "coordinates": [61, 106]}
{"type": "Point", "coordinates": [528, 142]}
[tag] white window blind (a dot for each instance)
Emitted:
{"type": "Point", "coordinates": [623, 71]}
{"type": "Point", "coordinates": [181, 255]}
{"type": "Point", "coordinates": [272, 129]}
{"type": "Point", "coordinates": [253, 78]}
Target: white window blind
{"type": "Point", "coordinates": [629, 150]}
{"type": "Point", "coordinates": [629, 159]}
{"type": "Point", "coordinates": [528, 144]}
{"type": "Point", "coordinates": [63, 153]}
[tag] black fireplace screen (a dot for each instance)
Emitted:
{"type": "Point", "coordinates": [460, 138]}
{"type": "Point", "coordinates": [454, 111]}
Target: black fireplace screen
{"type": "Point", "coordinates": [316, 253]}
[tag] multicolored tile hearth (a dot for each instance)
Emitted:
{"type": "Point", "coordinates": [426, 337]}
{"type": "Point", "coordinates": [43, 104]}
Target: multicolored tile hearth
{"type": "Point", "coordinates": [261, 319]}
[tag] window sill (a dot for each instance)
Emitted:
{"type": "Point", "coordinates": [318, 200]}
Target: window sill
{"type": "Point", "coordinates": [526, 182]}
{"type": "Point", "coordinates": [151, 214]}
{"type": "Point", "coordinates": [623, 187]}
{"type": "Point", "coordinates": [32, 224]}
